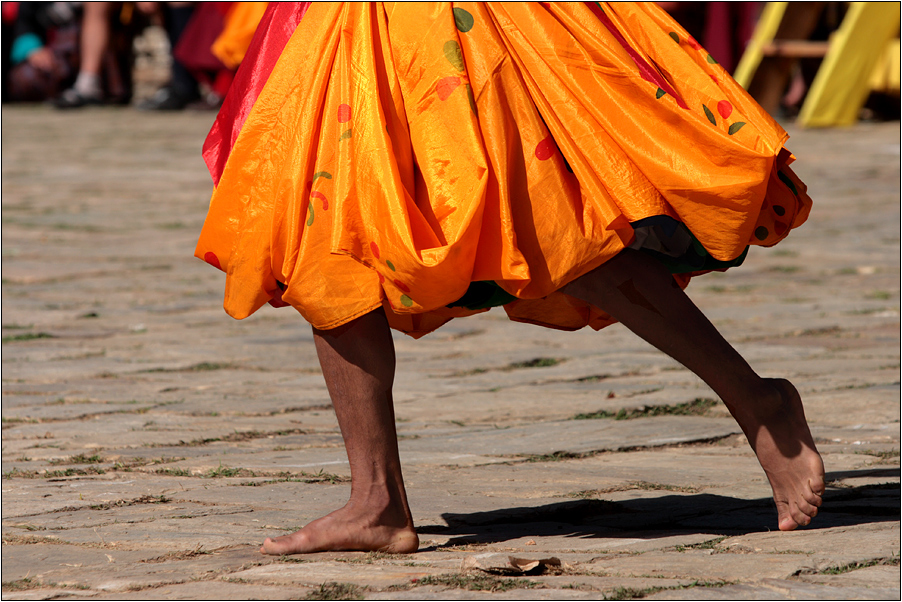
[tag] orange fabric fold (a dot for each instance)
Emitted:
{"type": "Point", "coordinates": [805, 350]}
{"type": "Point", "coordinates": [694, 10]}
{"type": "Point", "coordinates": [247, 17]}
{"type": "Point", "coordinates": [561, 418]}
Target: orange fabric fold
{"type": "Point", "coordinates": [237, 32]}
{"type": "Point", "coordinates": [400, 151]}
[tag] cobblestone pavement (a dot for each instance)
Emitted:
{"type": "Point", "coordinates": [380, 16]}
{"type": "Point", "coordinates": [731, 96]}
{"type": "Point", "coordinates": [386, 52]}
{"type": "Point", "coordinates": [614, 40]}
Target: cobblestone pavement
{"type": "Point", "coordinates": [150, 442]}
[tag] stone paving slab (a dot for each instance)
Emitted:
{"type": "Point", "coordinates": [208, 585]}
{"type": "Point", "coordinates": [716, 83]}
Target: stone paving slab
{"type": "Point", "coordinates": [150, 442]}
{"type": "Point", "coordinates": [780, 589]}
{"type": "Point", "coordinates": [216, 589]}
{"type": "Point", "coordinates": [882, 577]}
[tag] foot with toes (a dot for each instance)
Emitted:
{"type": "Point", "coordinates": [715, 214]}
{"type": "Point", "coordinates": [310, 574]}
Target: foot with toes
{"type": "Point", "coordinates": [778, 433]}
{"type": "Point", "coordinates": [347, 530]}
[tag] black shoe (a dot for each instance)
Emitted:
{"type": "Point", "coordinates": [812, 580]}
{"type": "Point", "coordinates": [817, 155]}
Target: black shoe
{"type": "Point", "coordinates": [165, 99]}
{"type": "Point", "coordinates": [73, 99]}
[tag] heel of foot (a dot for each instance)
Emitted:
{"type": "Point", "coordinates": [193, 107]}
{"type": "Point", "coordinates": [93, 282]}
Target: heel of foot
{"type": "Point", "coordinates": [404, 543]}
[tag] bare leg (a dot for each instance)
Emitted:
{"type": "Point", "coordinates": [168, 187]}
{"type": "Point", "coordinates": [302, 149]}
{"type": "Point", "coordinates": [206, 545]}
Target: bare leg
{"type": "Point", "coordinates": [95, 38]}
{"type": "Point", "coordinates": [95, 35]}
{"type": "Point", "coordinates": [638, 291]}
{"type": "Point", "coordinates": [358, 361]}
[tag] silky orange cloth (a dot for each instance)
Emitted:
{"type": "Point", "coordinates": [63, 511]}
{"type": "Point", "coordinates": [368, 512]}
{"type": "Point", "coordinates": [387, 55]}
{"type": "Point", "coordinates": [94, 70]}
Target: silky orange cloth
{"type": "Point", "coordinates": [400, 151]}
{"type": "Point", "coordinates": [237, 32]}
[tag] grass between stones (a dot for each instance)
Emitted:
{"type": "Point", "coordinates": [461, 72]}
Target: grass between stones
{"type": "Point", "coordinates": [53, 474]}
{"type": "Point", "coordinates": [225, 472]}
{"type": "Point", "coordinates": [710, 544]}
{"type": "Point", "coordinates": [487, 583]}
{"type": "Point", "coordinates": [169, 556]}
{"type": "Point", "coordinates": [77, 459]}
{"type": "Point", "coordinates": [27, 583]}
{"type": "Point", "coordinates": [632, 593]}
{"type": "Point", "coordinates": [10, 422]}
{"type": "Point", "coordinates": [557, 456]}
{"type": "Point", "coordinates": [213, 473]}
{"type": "Point", "coordinates": [235, 437]}
{"type": "Point", "coordinates": [25, 540]}
{"type": "Point", "coordinates": [336, 591]}
{"type": "Point", "coordinates": [852, 566]}
{"type": "Point", "coordinates": [879, 295]}
{"type": "Point", "coordinates": [539, 362]}
{"type": "Point", "coordinates": [173, 472]}
{"type": "Point", "coordinates": [28, 527]}
{"type": "Point", "coordinates": [28, 336]}
{"type": "Point", "coordinates": [477, 582]}
{"type": "Point", "coordinates": [144, 499]}
{"type": "Point", "coordinates": [560, 456]}
{"type": "Point", "coordinates": [201, 367]}
{"type": "Point", "coordinates": [696, 407]}
{"type": "Point", "coordinates": [279, 477]}
{"type": "Point", "coordinates": [370, 558]}
{"type": "Point", "coordinates": [632, 486]}
{"type": "Point", "coordinates": [885, 456]}
{"type": "Point", "coordinates": [301, 477]}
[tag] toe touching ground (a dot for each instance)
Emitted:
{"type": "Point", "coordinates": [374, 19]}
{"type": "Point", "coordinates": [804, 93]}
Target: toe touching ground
{"type": "Point", "coordinates": [786, 451]}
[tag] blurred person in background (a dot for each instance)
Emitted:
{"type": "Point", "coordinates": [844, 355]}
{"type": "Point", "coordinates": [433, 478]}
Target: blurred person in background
{"type": "Point", "coordinates": [98, 44]}
{"type": "Point", "coordinates": [182, 88]}
{"type": "Point", "coordinates": [40, 49]}
{"type": "Point", "coordinates": [207, 42]}
{"type": "Point", "coordinates": [214, 43]}
{"type": "Point", "coordinates": [105, 55]}
{"type": "Point", "coordinates": [81, 54]}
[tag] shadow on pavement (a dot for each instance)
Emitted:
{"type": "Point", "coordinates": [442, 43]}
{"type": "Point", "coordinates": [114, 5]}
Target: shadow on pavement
{"type": "Point", "coordinates": [668, 515]}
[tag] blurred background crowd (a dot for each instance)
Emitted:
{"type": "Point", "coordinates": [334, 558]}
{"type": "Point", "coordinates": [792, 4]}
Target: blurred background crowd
{"type": "Point", "coordinates": [170, 56]}
{"type": "Point", "coordinates": [76, 54]}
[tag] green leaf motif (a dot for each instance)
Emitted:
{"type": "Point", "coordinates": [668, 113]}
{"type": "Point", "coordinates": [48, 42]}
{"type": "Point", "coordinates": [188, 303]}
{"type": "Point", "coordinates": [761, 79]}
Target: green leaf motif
{"type": "Point", "coordinates": [712, 60]}
{"type": "Point", "coordinates": [390, 265]}
{"type": "Point", "coordinates": [675, 37]}
{"type": "Point", "coordinates": [660, 93]}
{"type": "Point", "coordinates": [709, 115]}
{"type": "Point", "coordinates": [463, 20]}
{"type": "Point", "coordinates": [406, 301]}
{"type": "Point", "coordinates": [472, 99]}
{"type": "Point", "coordinates": [345, 135]}
{"type": "Point", "coordinates": [322, 174]}
{"type": "Point", "coordinates": [736, 127]}
{"type": "Point", "coordinates": [454, 54]}
{"type": "Point", "coordinates": [310, 219]}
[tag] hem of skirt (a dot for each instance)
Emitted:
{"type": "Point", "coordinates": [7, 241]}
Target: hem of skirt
{"type": "Point", "coordinates": [419, 334]}
{"type": "Point", "coordinates": [343, 320]}
{"type": "Point", "coordinates": [546, 324]}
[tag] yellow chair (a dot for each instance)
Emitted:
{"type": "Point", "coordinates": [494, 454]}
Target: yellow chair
{"type": "Point", "coordinates": [851, 56]}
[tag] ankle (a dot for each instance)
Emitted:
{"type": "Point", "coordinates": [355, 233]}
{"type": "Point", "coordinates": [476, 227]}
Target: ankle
{"type": "Point", "coordinates": [759, 397]}
{"type": "Point", "coordinates": [386, 501]}
{"type": "Point", "coordinates": [88, 84]}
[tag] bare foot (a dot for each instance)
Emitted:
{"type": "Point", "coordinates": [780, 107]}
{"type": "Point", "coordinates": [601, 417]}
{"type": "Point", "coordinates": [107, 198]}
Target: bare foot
{"type": "Point", "coordinates": [347, 529]}
{"type": "Point", "coordinates": [779, 434]}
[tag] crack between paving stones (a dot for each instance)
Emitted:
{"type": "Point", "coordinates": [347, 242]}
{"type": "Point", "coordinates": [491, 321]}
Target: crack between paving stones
{"type": "Point", "coordinates": [852, 566]}
{"type": "Point", "coordinates": [565, 455]}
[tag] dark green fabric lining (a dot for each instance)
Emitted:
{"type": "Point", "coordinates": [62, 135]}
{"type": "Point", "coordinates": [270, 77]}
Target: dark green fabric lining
{"type": "Point", "coordinates": [695, 259]}
{"type": "Point", "coordinates": [483, 295]}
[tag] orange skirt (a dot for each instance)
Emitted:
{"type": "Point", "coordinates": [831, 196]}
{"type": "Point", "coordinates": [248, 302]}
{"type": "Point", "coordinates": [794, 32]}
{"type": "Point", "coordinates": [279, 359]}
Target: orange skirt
{"type": "Point", "coordinates": [393, 154]}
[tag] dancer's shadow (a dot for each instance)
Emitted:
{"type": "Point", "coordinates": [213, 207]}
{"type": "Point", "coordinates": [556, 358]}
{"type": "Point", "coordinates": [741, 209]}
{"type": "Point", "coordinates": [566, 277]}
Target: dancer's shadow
{"type": "Point", "coordinates": [671, 514]}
